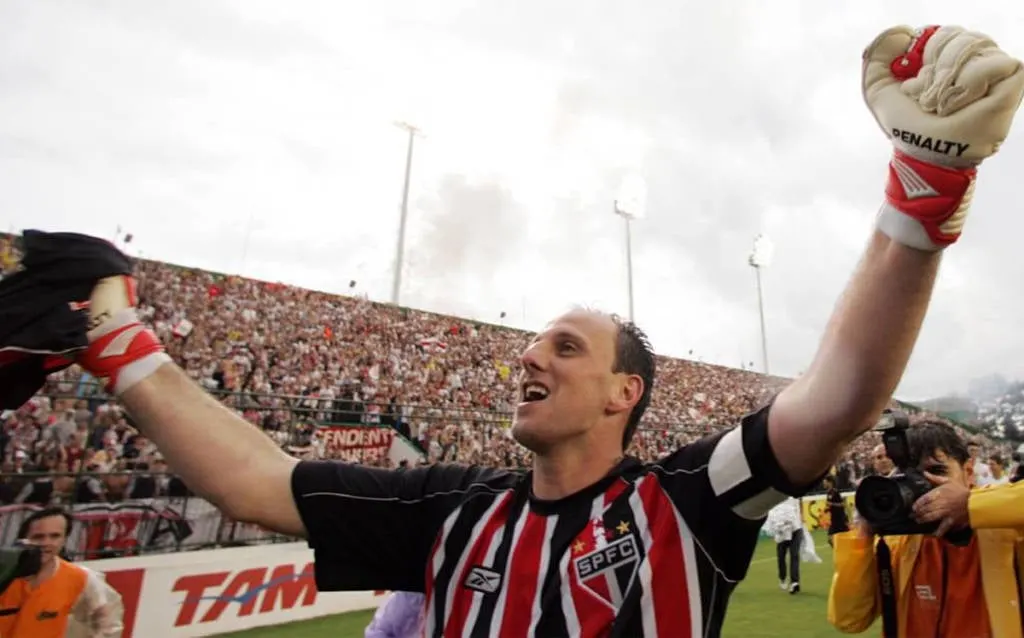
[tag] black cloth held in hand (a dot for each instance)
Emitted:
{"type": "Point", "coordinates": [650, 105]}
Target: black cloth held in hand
{"type": "Point", "coordinates": [43, 310]}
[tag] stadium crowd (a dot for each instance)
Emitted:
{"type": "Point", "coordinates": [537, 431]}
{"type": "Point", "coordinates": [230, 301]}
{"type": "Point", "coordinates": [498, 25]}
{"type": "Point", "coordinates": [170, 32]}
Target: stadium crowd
{"type": "Point", "coordinates": [289, 358]}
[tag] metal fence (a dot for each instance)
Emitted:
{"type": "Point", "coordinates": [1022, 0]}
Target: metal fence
{"type": "Point", "coordinates": [127, 504]}
{"type": "Point", "coordinates": [132, 527]}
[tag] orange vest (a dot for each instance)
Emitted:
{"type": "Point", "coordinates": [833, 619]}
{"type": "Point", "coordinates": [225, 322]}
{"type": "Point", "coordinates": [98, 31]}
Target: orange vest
{"type": "Point", "coordinates": [946, 591]}
{"type": "Point", "coordinates": [43, 612]}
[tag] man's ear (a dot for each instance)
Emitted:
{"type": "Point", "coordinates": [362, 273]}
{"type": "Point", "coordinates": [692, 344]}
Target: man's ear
{"type": "Point", "coordinates": [969, 472]}
{"type": "Point", "coordinates": [627, 393]}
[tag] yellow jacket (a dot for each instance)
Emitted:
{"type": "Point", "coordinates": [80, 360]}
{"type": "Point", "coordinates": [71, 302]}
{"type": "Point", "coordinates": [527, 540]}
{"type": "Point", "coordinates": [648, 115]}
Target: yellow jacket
{"type": "Point", "coordinates": [997, 515]}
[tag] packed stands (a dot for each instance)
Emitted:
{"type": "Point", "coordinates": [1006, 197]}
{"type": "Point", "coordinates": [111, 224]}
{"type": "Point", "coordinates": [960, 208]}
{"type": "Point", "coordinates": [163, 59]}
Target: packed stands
{"type": "Point", "coordinates": [292, 361]}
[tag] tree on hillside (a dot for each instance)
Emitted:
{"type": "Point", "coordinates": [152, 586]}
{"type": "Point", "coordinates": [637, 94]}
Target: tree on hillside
{"type": "Point", "coordinates": [1011, 431]}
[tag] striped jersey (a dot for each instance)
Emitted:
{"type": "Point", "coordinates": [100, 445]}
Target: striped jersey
{"type": "Point", "coordinates": [653, 549]}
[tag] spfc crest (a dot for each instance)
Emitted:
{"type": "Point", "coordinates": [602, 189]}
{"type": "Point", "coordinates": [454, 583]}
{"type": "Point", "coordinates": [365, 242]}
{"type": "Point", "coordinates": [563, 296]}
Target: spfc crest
{"type": "Point", "coordinates": [608, 570]}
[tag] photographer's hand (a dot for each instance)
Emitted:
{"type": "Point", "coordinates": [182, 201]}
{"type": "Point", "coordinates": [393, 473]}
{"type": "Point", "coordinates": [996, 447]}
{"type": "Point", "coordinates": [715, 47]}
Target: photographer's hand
{"type": "Point", "coordinates": [946, 503]}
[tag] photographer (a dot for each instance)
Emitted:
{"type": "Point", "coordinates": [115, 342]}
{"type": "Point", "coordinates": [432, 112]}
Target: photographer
{"type": "Point", "coordinates": [60, 598]}
{"type": "Point", "coordinates": [960, 585]}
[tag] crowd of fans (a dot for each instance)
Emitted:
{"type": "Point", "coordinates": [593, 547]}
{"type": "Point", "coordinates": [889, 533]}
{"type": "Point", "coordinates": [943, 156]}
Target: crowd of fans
{"type": "Point", "coordinates": [289, 359]}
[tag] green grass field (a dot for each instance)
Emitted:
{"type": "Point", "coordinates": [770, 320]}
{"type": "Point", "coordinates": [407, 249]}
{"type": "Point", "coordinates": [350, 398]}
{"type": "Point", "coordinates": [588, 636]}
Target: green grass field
{"type": "Point", "coordinates": [759, 609]}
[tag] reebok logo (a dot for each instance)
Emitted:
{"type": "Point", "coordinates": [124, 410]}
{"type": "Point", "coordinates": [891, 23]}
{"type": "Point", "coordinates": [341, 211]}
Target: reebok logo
{"type": "Point", "coordinates": [483, 580]}
{"type": "Point", "coordinates": [935, 145]}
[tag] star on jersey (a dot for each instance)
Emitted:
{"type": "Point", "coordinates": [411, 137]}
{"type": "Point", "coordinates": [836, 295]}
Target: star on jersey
{"type": "Point", "coordinates": [600, 536]}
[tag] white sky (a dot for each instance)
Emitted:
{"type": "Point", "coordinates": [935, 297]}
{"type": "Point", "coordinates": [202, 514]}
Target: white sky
{"type": "Point", "coordinates": [258, 137]}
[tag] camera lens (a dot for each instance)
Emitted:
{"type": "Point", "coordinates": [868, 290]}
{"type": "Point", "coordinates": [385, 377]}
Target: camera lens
{"type": "Point", "coordinates": [880, 500]}
{"type": "Point", "coordinates": [883, 502]}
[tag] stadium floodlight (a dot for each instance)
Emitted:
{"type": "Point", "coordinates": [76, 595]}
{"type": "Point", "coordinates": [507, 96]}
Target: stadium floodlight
{"type": "Point", "coordinates": [631, 204]}
{"type": "Point", "coordinates": [396, 284]}
{"type": "Point", "coordinates": [632, 198]}
{"type": "Point", "coordinates": [763, 252]}
{"type": "Point", "coordinates": [761, 257]}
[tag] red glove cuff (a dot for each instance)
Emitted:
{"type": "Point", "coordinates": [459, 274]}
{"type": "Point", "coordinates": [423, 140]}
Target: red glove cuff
{"type": "Point", "coordinates": [124, 355]}
{"type": "Point", "coordinates": [938, 198]}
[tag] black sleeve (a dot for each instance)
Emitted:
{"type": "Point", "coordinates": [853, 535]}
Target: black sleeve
{"type": "Point", "coordinates": [724, 485]}
{"type": "Point", "coordinates": [372, 528]}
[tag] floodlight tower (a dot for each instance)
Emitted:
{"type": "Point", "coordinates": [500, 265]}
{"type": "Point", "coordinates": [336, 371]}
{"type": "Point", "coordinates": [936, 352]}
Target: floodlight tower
{"type": "Point", "coordinates": [630, 205]}
{"type": "Point", "coordinates": [761, 257]}
{"type": "Point", "coordinates": [396, 284]}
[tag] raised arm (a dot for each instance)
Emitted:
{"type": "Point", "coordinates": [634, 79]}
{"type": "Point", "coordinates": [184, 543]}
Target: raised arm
{"type": "Point", "coordinates": [944, 114]}
{"type": "Point", "coordinates": [219, 455]}
{"type": "Point", "coordinates": [369, 528]}
{"type": "Point", "coordinates": [860, 360]}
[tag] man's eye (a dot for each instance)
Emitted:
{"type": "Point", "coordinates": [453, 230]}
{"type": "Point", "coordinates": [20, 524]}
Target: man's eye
{"type": "Point", "coordinates": [938, 470]}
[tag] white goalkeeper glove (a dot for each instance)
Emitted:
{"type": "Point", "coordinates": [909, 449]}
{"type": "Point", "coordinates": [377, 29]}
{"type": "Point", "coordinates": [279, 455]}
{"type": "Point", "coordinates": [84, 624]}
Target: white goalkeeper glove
{"type": "Point", "coordinates": [945, 97]}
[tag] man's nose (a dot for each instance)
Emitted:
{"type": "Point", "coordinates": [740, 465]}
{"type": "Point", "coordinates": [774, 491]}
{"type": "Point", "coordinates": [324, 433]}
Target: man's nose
{"type": "Point", "coordinates": [534, 357]}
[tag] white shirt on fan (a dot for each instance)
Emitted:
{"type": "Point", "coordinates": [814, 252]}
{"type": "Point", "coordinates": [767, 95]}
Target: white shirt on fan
{"type": "Point", "coordinates": [982, 474]}
{"type": "Point", "coordinates": [991, 480]}
{"type": "Point", "coordinates": [784, 520]}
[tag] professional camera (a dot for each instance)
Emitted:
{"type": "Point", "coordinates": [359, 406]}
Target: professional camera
{"type": "Point", "coordinates": [886, 502]}
{"type": "Point", "coordinates": [20, 561]}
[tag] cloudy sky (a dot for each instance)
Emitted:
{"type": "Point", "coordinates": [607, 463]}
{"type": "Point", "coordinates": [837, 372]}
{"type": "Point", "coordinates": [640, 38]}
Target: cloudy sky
{"type": "Point", "coordinates": [259, 137]}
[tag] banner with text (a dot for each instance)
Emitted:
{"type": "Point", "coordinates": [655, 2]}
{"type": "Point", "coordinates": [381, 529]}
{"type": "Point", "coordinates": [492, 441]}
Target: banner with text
{"type": "Point", "coordinates": [356, 444]}
{"type": "Point", "coordinates": [222, 590]}
{"type": "Point", "coordinates": [816, 511]}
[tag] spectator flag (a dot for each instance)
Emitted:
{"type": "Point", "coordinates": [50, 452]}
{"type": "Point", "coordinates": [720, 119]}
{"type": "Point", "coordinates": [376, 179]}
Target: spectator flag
{"type": "Point", "coordinates": [433, 345]}
{"type": "Point", "coordinates": [183, 328]}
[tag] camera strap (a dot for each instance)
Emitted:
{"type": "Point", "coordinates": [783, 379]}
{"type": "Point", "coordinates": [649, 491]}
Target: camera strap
{"type": "Point", "coordinates": [887, 585]}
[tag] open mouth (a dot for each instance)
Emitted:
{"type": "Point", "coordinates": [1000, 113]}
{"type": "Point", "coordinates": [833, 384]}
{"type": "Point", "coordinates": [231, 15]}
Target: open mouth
{"type": "Point", "coordinates": [534, 391]}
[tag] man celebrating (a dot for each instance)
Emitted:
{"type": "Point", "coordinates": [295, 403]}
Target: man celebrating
{"type": "Point", "coordinates": [588, 542]}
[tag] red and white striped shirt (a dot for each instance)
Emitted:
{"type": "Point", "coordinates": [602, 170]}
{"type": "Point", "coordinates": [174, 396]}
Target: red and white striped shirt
{"type": "Point", "coordinates": [650, 550]}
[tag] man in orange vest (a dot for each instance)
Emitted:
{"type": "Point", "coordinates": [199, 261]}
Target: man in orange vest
{"type": "Point", "coordinates": [61, 598]}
